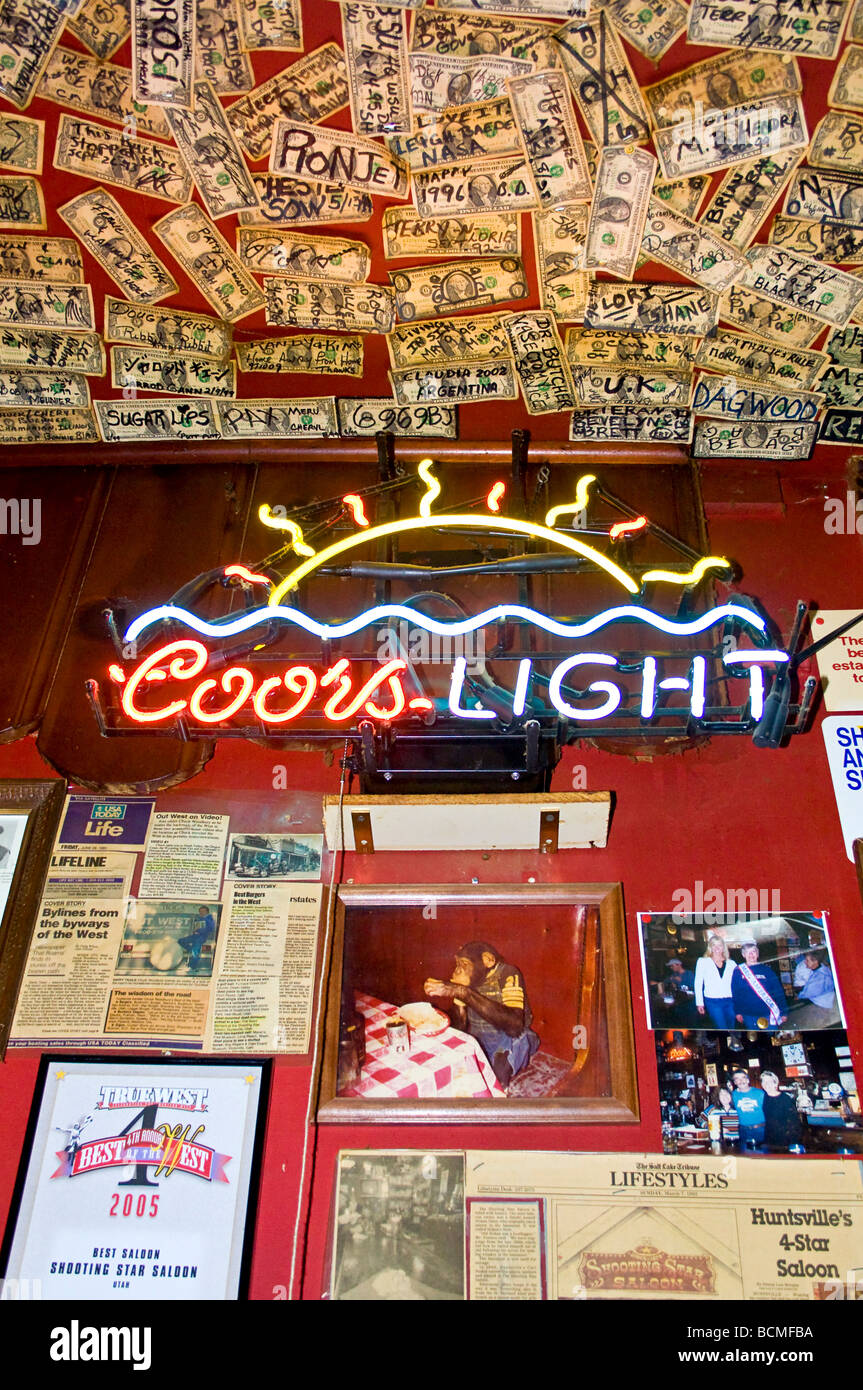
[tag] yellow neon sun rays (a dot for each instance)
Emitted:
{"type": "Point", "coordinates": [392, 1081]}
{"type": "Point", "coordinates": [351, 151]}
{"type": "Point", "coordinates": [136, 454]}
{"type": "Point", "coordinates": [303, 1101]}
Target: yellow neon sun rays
{"type": "Point", "coordinates": [473, 520]}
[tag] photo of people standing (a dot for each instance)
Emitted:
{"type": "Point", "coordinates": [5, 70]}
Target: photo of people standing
{"type": "Point", "coordinates": [739, 971]}
{"type": "Point", "coordinates": [758, 1093]}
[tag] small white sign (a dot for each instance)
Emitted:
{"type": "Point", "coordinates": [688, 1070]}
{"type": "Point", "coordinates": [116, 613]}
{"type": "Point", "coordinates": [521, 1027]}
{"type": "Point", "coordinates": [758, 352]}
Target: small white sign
{"type": "Point", "coordinates": [840, 663]}
{"type": "Point", "coordinates": [843, 739]}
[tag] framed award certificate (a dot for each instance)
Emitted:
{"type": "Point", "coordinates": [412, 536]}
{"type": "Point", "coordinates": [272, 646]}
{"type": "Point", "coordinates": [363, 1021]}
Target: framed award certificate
{"type": "Point", "coordinates": [138, 1180]}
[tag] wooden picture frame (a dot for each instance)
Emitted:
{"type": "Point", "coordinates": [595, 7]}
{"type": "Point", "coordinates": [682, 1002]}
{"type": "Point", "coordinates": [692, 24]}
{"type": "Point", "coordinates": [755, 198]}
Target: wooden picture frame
{"type": "Point", "coordinates": [29, 815]}
{"type": "Point", "coordinates": [600, 1086]}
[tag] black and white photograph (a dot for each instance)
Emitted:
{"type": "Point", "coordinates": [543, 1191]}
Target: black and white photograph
{"type": "Point", "coordinates": [399, 1231]}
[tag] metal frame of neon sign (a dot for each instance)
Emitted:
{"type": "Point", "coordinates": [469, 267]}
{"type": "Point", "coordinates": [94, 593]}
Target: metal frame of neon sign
{"type": "Point", "coordinates": [224, 677]}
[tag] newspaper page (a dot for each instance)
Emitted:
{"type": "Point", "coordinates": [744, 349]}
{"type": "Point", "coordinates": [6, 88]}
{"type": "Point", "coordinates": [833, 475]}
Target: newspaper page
{"type": "Point", "coordinates": [165, 963]}
{"type": "Point", "coordinates": [660, 1227]}
{"type": "Point", "coordinates": [266, 973]}
{"type": "Point", "coordinates": [75, 944]}
{"type": "Point", "coordinates": [185, 853]}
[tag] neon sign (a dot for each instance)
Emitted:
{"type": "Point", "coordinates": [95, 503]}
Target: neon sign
{"type": "Point", "coordinates": [226, 674]}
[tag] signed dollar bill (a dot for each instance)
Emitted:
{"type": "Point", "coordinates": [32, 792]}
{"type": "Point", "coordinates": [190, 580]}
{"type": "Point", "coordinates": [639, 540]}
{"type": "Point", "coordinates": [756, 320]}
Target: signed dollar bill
{"type": "Point", "coordinates": [766, 319]}
{"type": "Point", "coordinates": [206, 142]}
{"type": "Point", "coordinates": [163, 51]}
{"type": "Point", "coordinates": [441, 81]}
{"type": "Point", "coordinates": [550, 137]}
{"type": "Point", "coordinates": [752, 439]}
{"type": "Point", "coordinates": [838, 242]}
{"type": "Point", "coordinates": [362, 416]}
{"type": "Point", "coordinates": [311, 89]}
{"type": "Point", "coordinates": [559, 239]}
{"type": "Point", "coordinates": [267, 24]}
{"type": "Point", "coordinates": [631, 386]}
{"type": "Point", "coordinates": [588, 346]}
{"type": "Point", "coordinates": [842, 427]}
{"type": "Point", "coordinates": [424, 291]}
{"type": "Point", "coordinates": [845, 345]}
{"type": "Point", "coordinates": [456, 381]}
{"type": "Point", "coordinates": [842, 385]}
{"type": "Point", "coordinates": [811, 28]}
{"type": "Point", "coordinates": [602, 81]}
{"type": "Point", "coordinates": [102, 25]}
{"type": "Point", "coordinates": [474, 338]}
{"type": "Point", "coordinates": [819, 195]}
{"type": "Point", "coordinates": [334, 156]}
{"type": "Point", "coordinates": [746, 195]}
{"type": "Point", "coordinates": [220, 56]}
{"type": "Point", "coordinates": [21, 141]}
{"type": "Point", "coordinates": [376, 51]}
{"type": "Point", "coordinates": [322, 354]}
{"type": "Point", "coordinates": [742, 354]}
{"type": "Point", "coordinates": [631, 424]}
{"type": "Point", "coordinates": [486, 130]}
{"type": "Point", "coordinates": [309, 418]}
{"type": "Point", "coordinates": [619, 209]}
{"type": "Point", "coordinates": [169, 329]}
{"type": "Point", "coordinates": [112, 238]}
{"type": "Point", "coordinates": [683, 245]}
{"type": "Point", "coordinates": [855, 22]}
{"type": "Point", "coordinates": [54, 260]}
{"type": "Point", "coordinates": [29, 32]}
{"type": "Point", "coordinates": [652, 29]}
{"type": "Point", "coordinates": [717, 138]}
{"type": "Point", "coordinates": [651, 308]}
{"type": "Point", "coordinates": [34, 389]}
{"type": "Point", "coordinates": [287, 202]}
{"type": "Point", "coordinates": [130, 422]}
{"type": "Point", "coordinates": [540, 362]}
{"type": "Point", "coordinates": [799, 282]}
{"type": "Point", "coordinates": [38, 347]}
{"type": "Point", "coordinates": [46, 306]}
{"type": "Point", "coordinates": [21, 202]}
{"type": "Point", "coordinates": [328, 306]}
{"type": "Point", "coordinates": [209, 262]}
{"type": "Point", "coordinates": [683, 195]}
{"type": "Point", "coordinates": [846, 89]}
{"type": "Point", "coordinates": [556, 9]}
{"type": "Point", "coordinates": [99, 89]}
{"type": "Point", "coordinates": [838, 143]}
{"type": "Point", "coordinates": [737, 398]}
{"type": "Point", "coordinates": [177, 373]}
{"type": "Point", "coordinates": [110, 156]}
{"type": "Point", "coordinates": [503, 185]}
{"type": "Point", "coordinates": [729, 79]}
{"type": "Point", "coordinates": [406, 233]}
{"type": "Point", "coordinates": [268, 252]}
{"type": "Point", "coordinates": [48, 426]}
{"type": "Point", "coordinates": [465, 35]}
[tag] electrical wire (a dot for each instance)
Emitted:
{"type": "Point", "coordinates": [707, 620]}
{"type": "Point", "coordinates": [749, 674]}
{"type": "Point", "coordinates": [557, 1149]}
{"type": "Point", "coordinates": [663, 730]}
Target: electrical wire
{"type": "Point", "coordinates": [311, 1126]}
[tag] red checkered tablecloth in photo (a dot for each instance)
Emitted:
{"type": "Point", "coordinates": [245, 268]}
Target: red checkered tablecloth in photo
{"type": "Point", "coordinates": [452, 1064]}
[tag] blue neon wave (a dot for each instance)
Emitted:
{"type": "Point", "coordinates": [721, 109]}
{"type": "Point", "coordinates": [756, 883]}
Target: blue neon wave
{"type": "Point", "coordinates": [502, 612]}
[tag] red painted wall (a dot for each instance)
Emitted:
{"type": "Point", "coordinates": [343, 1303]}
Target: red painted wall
{"type": "Point", "coordinates": [728, 814]}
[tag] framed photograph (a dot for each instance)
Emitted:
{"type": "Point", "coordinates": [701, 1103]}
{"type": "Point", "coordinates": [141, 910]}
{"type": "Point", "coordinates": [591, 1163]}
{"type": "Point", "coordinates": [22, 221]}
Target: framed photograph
{"type": "Point", "coordinates": [138, 1181]}
{"type": "Point", "coordinates": [749, 971]}
{"type": "Point", "coordinates": [29, 814]}
{"type": "Point", "coordinates": [475, 1003]}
